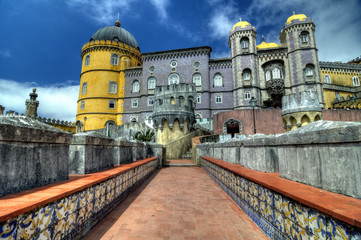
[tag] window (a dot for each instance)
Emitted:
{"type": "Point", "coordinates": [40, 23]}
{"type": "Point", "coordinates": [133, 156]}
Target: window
{"type": "Point", "coordinates": [111, 104]}
{"type": "Point", "coordinates": [356, 81]}
{"type": "Point", "coordinates": [268, 75]}
{"type": "Point", "coordinates": [134, 103]}
{"type": "Point", "coordinates": [114, 59]}
{"type": "Point", "coordinates": [309, 71]}
{"type": "Point", "coordinates": [247, 74]}
{"type": "Point", "coordinates": [82, 104]}
{"type": "Point", "coordinates": [197, 79]}
{"type": "Point", "coordinates": [87, 60]}
{"type": "Point", "coordinates": [173, 64]}
{"type": "Point", "coordinates": [219, 98]}
{"type": "Point", "coordinates": [135, 86]}
{"type": "Point", "coordinates": [304, 37]}
{"type": "Point", "coordinates": [113, 87]}
{"type": "Point", "coordinates": [199, 98]}
{"type": "Point", "coordinates": [133, 119]}
{"type": "Point", "coordinates": [247, 95]}
{"type": "Point", "coordinates": [218, 80]}
{"type": "Point", "coordinates": [327, 79]}
{"type": "Point", "coordinates": [244, 43]}
{"type": "Point", "coordinates": [151, 83]}
{"type": "Point", "coordinates": [84, 88]}
{"type": "Point", "coordinates": [173, 79]}
{"type": "Point", "coordinates": [276, 73]}
{"type": "Point", "coordinates": [150, 101]}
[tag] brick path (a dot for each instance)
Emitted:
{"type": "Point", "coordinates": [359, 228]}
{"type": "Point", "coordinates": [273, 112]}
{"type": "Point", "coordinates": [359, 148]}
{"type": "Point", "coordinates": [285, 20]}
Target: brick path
{"type": "Point", "coordinates": [177, 203]}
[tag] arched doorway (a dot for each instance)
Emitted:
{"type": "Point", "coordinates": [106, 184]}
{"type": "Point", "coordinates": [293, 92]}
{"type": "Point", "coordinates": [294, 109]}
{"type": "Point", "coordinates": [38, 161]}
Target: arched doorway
{"type": "Point", "coordinates": [232, 126]}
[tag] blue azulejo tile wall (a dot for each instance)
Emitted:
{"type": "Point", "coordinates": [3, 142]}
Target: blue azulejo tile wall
{"type": "Point", "coordinates": [278, 216]}
{"type": "Point", "coordinates": [73, 216]}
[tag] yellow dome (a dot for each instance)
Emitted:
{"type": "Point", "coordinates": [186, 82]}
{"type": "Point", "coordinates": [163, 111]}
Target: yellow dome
{"type": "Point", "coordinates": [241, 24]}
{"type": "Point", "coordinates": [264, 45]}
{"type": "Point", "coordinates": [300, 17]}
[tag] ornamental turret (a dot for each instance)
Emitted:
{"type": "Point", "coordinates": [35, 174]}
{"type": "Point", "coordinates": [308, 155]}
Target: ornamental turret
{"type": "Point", "coordinates": [32, 105]}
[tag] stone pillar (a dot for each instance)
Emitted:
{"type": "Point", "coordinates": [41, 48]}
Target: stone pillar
{"type": "Point", "coordinates": [32, 105]}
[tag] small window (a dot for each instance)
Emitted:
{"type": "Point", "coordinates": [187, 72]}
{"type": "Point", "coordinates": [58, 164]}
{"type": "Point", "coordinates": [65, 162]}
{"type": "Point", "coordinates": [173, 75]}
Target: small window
{"type": "Point", "coordinates": [133, 119]}
{"type": "Point", "coordinates": [218, 80]}
{"type": "Point", "coordinates": [173, 79]}
{"type": "Point", "coordinates": [199, 98]}
{"type": "Point", "coordinates": [173, 64]}
{"type": "Point", "coordinates": [247, 95]}
{"type": "Point", "coordinates": [356, 81]}
{"type": "Point", "coordinates": [219, 98]}
{"type": "Point", "coordinates": [244, 43]}
{"type": "Point", "coordinates": [114, 59]}
{"type": "Point", "coordinates": [135, 86]}
{"type": "Point", "coordinates": [134, 103]}
{"type": "Point", "coordinates": [309, 71]}
{"type": "Point", "coordinates": [87, 60]}
{"type": "Point", "coordinates": [82, 104]}
{"type": "Point", "coordinates": [268, 75]}
{"type": "Point", "coordinates": [246, 75]}
{"type": "Point", "coordinates": [276, 73]}
{"type": "Point", "coordinates": [113, 87]}
{"type": "Point", "coordinates": [84, 88]}
{"type": "Point", "coordinates": [327, 79]}
{"type": "Point", "coordinates": [151, 83]}
{"type": "Point", "coordinates": [197, 79]}
{"type": "Point", "coordinates": [111, 104]}
{"type": "Point", "coordinates": [304, 37]}
{"type": "Point", "coordinates": [150, 101]}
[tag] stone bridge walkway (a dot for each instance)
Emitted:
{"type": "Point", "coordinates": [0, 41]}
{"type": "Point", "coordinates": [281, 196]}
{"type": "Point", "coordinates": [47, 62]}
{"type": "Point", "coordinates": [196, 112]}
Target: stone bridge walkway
{"type": "Point", "coordinates": [177, 203]}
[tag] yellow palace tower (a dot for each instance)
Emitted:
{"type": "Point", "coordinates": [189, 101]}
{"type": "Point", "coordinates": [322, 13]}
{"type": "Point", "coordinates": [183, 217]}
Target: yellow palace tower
{"type": "Point", "coordinates": [109, 52]}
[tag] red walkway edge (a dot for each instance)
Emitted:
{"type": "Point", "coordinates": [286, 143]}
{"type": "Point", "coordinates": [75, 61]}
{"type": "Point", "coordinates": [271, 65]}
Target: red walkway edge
{"type": "Point", "coordinates": [18, 203]}
{"type": "Point", "coordinates": [339, 206]}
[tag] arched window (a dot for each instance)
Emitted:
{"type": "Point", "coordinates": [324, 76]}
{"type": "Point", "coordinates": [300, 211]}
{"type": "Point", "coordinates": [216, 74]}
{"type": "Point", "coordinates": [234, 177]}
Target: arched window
{"type": "Point", "coordinates": [87, 60]}
{"type": "Point", "coordinates": [309, 70]}
{"type": "Point", "coordinates": [276, 73]}
{"type": "Point", "coordinates": [114, 60]}
{"type": "Point", "coordinates": [219, 98]}
{"type": "Point", "coordinates": [197, 79]}
{"type": "Point", "coordinates": [268, 75]}
{"type": "Point", "coordinates": [84, 88]}
{"type": "Point", "coordinates": [305, 37]}
{"type": "Point", "coordinates": [107, 125]}
{"type": "Point", "coordinates": [113, 87]}
{"type": "Point", "coordinates": [244, 43]}
{"type": "Point", "coordinates": [135, 86]}
{"type": "Point", "coordinates": [199, 98]}
{"type": "Point", "coordinates": [356, 81]}
{"type": "Point", "coordinates": [173, 79]}
{"type": "Point", "coordinates": [79, 126]}
{"type": "Point", "coordinates": [247, 74]}
{"type": "Point", "coordinates": [218, 80]}
{"type": "Point", "coordinates": [327, 79]}
{"type": "Point", "coordinates": [151, 83]}
{"type": "Point", "coordinates": [247, 95]}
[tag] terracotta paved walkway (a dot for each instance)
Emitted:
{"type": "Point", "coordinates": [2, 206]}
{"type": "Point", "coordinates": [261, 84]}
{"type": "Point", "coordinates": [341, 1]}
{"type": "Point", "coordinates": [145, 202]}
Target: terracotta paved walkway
{"type": "Point", "coordinates": [178, 203]}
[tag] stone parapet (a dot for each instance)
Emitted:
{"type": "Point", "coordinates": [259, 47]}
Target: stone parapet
{"type": "Point", "coordinates": [32, 154]}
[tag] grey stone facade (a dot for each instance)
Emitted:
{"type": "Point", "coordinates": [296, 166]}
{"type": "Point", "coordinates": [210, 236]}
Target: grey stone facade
{"type": "Point", "coordinates": [243, 74]}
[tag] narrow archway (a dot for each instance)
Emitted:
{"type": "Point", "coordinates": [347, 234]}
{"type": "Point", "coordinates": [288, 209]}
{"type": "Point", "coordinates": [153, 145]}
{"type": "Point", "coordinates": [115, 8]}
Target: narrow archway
{"type": "Point", "coordinates": [232, 126]}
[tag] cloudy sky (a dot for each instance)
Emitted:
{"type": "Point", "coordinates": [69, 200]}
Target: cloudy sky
{"type": "Point", "coordinates": [40, 40]}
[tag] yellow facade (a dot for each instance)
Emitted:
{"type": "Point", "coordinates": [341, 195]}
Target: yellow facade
{"type": "Point", "coordinates": [338, 84]}
{"type": "Point", "coordinates": [95, 105]}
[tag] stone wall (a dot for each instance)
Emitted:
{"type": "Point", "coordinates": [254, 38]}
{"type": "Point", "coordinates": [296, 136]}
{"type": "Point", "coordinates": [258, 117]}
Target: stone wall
{"type": "Point", "coordinates": [177, 148]}
{"type": "Point", "coordinates": [32, 154]}
{"type": "Point", "coordinates": [323, 154]}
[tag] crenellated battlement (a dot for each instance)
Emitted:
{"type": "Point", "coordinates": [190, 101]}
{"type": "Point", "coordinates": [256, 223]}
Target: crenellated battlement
{"type": "Point", "coordinates": [109, 45]}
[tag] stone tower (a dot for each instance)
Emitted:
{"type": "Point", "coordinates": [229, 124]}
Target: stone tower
{"type": "Point", "coordinates": [298, 34]}
{"type": "Point", "coordinates": [110, 51]}
{"type": "Point", "coordinates": [32, 105]}
{"type": "Point", "coordinates": [242, 42]}
{"type": "Point", "coordinates": [173, 111]}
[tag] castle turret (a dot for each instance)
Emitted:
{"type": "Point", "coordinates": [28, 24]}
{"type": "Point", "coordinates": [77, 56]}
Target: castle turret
{"type": "Point", "coordinates": [298, 34]}
{"type": "Point", "coordinates": [173, 111]}
{"type": "Point", "coordinates": [32, 105]}
{"type": "Point", "coordinates": [110, 51]}
{"type": "Point", "coordinates": [242, 42]}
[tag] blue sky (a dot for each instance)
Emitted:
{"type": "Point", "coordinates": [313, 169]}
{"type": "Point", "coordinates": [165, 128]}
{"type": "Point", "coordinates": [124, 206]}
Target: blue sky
{"type": "Point", "coordinates": [40, 40]}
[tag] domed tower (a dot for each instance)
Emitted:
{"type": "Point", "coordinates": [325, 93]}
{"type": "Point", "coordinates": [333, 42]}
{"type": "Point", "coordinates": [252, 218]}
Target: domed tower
{"type": "Point", "coordinates": [173, 111]}
{"type": "Point", "coordinates": [303, 100]}
{"type": "Point", "coordinates": [242, 42]}
{"type": "Point", "coordinates": [109, 52]}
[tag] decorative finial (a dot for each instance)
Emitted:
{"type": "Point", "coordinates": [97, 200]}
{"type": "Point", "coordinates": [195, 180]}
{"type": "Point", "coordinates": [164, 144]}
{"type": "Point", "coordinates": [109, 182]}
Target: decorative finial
{"type": "Point", "coordinates": [240, 19]}
{"type": "Point", "coordinates": [34, 90]}
{"type": "Point", "coordinates": [294, 13]}
{"type": "Point", "coordinates": [117, 23]}
{"type": "Point", "coordinates": [262, 38]}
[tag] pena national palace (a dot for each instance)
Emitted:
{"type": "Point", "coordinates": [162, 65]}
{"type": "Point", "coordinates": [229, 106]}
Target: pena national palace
{"type": "Point", "coordinates": [262, 144]}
